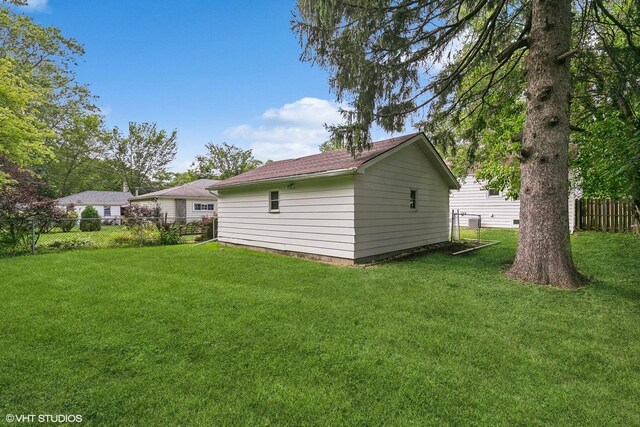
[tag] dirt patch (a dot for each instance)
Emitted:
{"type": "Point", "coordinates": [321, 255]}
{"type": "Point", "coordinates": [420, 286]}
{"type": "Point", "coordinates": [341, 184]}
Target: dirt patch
{"type": "Point", "coordinates": [454, 247]}
{"type": "Point", "coordinates": [444, 248]}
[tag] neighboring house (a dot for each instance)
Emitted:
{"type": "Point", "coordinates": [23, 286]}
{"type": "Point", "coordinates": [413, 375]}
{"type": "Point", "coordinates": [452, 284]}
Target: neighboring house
{"type": "Point", "coordinates": [496, 211]}
{"type": "Point", "coordinates": [387, 200]}
{"type": "Point", "coordinates": [108, 203]}
{"type": "Point", "coordinates": [184, 203]}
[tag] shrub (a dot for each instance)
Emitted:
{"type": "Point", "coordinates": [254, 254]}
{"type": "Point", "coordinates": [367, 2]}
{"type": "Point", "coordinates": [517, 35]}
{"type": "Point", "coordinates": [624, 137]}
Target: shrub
{"type": "Point", "coordinates": [70, 244]}
{"type": "Point", "coordinates": [170, 235]}
{"type": "Point", "coordinates": [89, 219]}
{"type": "Point", "coordinates": [69, 219]}
{"type": "Point", "coordinates": [24, 213]}
{"type": "Point", "coordinates": [209, 225]}
{"type": "Point", "coordinates": [139, 214]}
{"type": "Point", "coordinates": [126, 239]}
{"type": "Point", "coordinates": [132, 237]}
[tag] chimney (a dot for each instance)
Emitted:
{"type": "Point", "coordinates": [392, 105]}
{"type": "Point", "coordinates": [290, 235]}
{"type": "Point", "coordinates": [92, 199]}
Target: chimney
{"type": "Point", "coordinates": [136, 192]}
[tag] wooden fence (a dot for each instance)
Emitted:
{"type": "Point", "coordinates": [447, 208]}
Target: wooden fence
{"type": "Point", "coordinates": [613, 216]}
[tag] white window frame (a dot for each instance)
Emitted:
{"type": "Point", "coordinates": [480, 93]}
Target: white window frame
{"type": "Point", "coordinates": [489, 190]}
{"type": "Point", "coordinates": [104, 211]}
{"type": "Point", "coordinates": [206, 209]}
{"type": "Point", "coordinates": [269, 200]}
{"type": "Point", "coordinates": [413, 208]}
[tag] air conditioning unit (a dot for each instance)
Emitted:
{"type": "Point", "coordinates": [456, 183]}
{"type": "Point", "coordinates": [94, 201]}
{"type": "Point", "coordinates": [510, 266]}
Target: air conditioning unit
{"type": "Point", "coordinates": [474, 222]}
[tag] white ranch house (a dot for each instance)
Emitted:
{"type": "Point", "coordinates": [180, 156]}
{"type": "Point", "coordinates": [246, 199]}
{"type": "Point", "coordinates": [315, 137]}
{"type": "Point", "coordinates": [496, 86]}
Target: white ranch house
{"type": "Point", "coordinates": [109, 204]}
{"type": "Point", "coordinates": [496, 211]}
{"type": "Point", "coordinates": [387, 200]}
{"type": "Point", "coordinates": [183, 203]}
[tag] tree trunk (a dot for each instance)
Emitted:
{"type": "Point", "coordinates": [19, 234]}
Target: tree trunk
{"type": "Point", "coordinates": [544, 250]}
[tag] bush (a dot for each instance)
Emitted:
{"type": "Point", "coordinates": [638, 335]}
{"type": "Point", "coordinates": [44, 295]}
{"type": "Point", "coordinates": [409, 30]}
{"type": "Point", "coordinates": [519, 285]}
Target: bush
{"type": "Point", "coordinates": [131, 237]}
{"type": "Point", "coordinates": [209, 225]}
{"type": "Point", "coordinates": [170, 235]}
{"type": "Point", "coordinates": [69, 220]}
{"type": "Point", "coordinates": [139, 214]}
{"type": "Point", "coordinates": [126, 239]}
{"type": "Point", "coordinates": [25, 214]}
{"type": "Point", "coordinates": [69, 244]}
{"type": "Point", "coordinates": [89, 219]}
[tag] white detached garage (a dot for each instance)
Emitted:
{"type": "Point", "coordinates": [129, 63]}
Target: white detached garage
{"type": "Point", "coordinates": [389, 199]}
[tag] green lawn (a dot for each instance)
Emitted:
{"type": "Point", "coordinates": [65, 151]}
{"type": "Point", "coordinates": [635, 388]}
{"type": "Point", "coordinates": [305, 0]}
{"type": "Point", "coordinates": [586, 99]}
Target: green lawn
{"type": "Point", "coordinates": [197, 335]}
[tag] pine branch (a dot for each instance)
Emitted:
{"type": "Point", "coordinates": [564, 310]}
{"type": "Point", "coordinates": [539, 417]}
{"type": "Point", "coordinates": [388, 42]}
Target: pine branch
{"type": "Point", "coordinates": [560, 59]}
{"type": "Point", "coordinates": [506, 54]}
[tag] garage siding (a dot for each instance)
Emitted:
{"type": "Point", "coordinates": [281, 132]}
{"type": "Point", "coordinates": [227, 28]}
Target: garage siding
{"type": "Point", "coordinates": [316, 217]}
{"type": "Point", "coordinates": [384, 221]}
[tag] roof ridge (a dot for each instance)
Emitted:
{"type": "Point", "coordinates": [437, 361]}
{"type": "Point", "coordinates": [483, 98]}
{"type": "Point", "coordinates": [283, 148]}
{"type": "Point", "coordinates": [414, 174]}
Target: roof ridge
{"type": "Point", "coordinates": [333, 160]}
{"type": "Point", "coordinates": [341, 150]}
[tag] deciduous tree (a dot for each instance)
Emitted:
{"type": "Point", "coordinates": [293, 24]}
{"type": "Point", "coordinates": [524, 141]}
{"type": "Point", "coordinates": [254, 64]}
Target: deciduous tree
{"type": "Point", "coordinates": [142, 156]}
{"type": "Point", "coordinates": [39, 95]}
{"type": "Point", "coordinates": [23, 134]}
{"type": "Point", "coordinates": [79, 150]}
{"type": "Point", "coordinates": [224, 161]}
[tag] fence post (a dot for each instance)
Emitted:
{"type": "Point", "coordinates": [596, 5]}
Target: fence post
{"type": "Point", "coordinates": [33, 236]}
{"type": "Point", "coordinates": [452, 215]}
{"type": "Point", "coordinates": [141, 232]}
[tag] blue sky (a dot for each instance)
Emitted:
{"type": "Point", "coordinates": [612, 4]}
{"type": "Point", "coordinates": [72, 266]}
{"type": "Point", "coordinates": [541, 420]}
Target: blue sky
{"type": "Point", "coordinates": [214, 70]}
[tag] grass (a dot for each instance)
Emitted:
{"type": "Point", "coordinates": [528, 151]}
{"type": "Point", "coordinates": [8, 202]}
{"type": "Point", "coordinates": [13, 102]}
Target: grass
{"type": "Point", "coordinates": [188, 335]}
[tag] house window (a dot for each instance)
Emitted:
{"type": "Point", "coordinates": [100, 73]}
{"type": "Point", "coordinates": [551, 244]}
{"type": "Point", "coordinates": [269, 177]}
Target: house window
{"type": "Point", "coordinates": [516, 222]}
{"type": "Point", "coordinates": [493, 192]}
{"type": "Point", "coordinates": [107, 211]}
{"type": "Point", "coordinates": [203, 207]}
{"type": "Point", "coordinates": [274, 201]}
{"type": "Point", "coordinates": [413, 194]}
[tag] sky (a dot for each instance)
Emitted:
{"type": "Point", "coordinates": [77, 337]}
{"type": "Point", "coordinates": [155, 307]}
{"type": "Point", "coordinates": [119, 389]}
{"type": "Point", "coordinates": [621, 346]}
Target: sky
{"type": "Point", "coordinates": [217, 71]}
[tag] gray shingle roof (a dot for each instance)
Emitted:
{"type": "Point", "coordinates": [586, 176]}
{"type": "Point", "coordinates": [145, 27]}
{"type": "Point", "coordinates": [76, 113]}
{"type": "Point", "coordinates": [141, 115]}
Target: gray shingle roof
{"type": "Point", "coordinates": [316, 163]}
{"type": "Point", "coordinates": [196, 189]}
{"type": "Point", "coordinates": [97, 198]}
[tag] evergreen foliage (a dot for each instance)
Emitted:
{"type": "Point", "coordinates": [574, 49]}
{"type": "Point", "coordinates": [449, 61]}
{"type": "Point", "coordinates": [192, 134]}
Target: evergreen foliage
{"type": "Point", "coordinates": [90, 219]}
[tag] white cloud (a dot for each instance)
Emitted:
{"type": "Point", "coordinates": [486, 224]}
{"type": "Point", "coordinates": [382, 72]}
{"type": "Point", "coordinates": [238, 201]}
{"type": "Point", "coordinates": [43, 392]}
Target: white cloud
{"type": "Point", "coordinates": [36, 6]}
{"type": "Point", "coordinates": [279, 142]}
{"type": "Point", "coordinates": [307, 111]}
{"type": "Point", "coordinates": [292, 130]}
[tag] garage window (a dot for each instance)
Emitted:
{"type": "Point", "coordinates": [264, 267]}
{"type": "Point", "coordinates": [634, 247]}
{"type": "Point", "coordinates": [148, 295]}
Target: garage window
{"type": "Point", "coordinates": [274, 201]}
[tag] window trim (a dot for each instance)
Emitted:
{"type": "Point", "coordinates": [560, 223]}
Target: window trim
{"type": "Point", "coordinates": [277, 200]}
{"type": "Point", "coordinates": [413, 200]}
{"type": "Point", "coordinates": [489, 190]}
{"type": "Point", "coordinates": [104, 211]}
{"type": "Point", "coordinates": [213, 207]}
